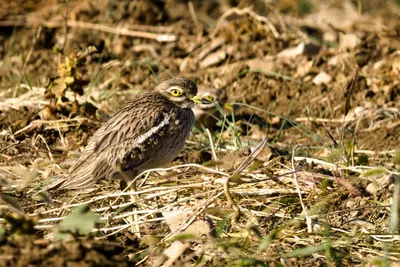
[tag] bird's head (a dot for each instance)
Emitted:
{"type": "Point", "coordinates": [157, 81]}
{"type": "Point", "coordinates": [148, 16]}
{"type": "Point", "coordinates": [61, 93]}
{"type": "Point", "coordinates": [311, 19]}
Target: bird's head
{"type": "Point", "coordinates": [216, 96]}
{"type": "Point", "coordinates": [182, 92]}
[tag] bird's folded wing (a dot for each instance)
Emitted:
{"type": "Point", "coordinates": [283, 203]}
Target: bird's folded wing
{"type": "Point", "coordinates": [108, 149]}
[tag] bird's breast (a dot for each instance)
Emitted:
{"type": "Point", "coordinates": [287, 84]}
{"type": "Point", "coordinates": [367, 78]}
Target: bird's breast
{"type": "Point", "coordinates": [172, 140]}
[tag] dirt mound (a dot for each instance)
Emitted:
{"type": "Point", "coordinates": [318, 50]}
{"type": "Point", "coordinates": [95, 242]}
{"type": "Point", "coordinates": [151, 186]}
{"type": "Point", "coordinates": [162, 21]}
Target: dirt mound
{"type": "Point", "coordinates": [30, 250]}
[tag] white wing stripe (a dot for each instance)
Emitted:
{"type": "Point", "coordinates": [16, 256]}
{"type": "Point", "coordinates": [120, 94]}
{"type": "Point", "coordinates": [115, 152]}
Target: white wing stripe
{"type": "Point", "coordinates": [142, 138]}
{"type": "Point", "coordinates": [152, 131]}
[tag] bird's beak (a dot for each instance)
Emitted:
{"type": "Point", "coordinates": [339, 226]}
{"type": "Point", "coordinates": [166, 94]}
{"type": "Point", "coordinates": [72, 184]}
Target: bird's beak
{"type": "Point", "coordinates": [199, 100]}
{"type": "Point", "coordinates": [228, 107]}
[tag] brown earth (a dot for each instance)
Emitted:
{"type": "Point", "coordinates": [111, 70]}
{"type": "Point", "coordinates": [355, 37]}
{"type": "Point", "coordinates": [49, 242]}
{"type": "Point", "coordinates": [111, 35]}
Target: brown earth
{"type": "Point", "coordinates": [29, 250]}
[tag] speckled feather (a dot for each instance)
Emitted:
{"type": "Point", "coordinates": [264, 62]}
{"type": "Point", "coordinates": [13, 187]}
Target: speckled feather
{"type": "Point", "coordinates": [147, 133]}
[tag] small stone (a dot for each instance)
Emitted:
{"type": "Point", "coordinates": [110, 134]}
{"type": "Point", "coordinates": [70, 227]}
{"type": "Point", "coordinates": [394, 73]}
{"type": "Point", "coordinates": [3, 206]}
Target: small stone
{"type": "Point", "coordinates": [379, 64]}
{"type": "Point", "coordinates": [372, 188]}
{"type": "Point", "coordinates": [202, 227]}
{"type": "Point", "coordinates": [301, 49]}
{"type": "Point", "coordinates": [348, 41]}
{"type": "Point", "coordinates": [350, 204]}
{"type": "Point", "coordinates": [322, 78]}
{"type": "Point", "coordinates": [378, 184]}
{"type": "Point", "coordinates": [176, 249]}
{"type": "Point", "coordinates": [292, 52]}
{"type": "Point", "coordinates": [396, 66]}
{"type": "Point", "coordinates": [340, 58]}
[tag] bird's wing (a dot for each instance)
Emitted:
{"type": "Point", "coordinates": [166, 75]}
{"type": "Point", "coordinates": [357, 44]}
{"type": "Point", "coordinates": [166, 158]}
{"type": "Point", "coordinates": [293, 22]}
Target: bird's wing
{"type": "Point", "coordinates": [129, 151]}
{"type": "Point", "coordinates": [123, 136]}
{"type": "Point", "coordinates": [135, 132]}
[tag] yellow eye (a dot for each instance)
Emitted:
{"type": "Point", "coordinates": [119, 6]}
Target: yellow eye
{"type": "Point", "coordinates": [209, 98]}
{"type": "Point", "coordinates": [175, 92]}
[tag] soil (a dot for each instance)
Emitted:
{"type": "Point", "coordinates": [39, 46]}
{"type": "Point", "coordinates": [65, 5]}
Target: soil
{"type": "Point", "coordinates": [358, 103]}
{"type": "Point", "coordinates": [29, 250]}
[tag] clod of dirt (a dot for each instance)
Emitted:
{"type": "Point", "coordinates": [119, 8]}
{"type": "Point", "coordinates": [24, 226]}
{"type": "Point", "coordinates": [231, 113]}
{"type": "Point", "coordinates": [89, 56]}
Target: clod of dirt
{"type": "Point", "coordinates": [232, 160]}
{"type": "Point", "coordinates": [198, 157]}
{"type": "Point", "coordinates": [29, 250]}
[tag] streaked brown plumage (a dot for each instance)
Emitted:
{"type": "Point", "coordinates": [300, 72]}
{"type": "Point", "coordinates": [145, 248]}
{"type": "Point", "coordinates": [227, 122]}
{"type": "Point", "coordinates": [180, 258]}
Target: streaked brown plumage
{"type": "Point", "coordinates": [148, 132]}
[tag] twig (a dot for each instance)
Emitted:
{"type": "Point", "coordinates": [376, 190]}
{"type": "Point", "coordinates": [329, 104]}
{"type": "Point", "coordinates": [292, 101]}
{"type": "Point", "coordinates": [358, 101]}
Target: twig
{"type": "Point", "coordinates": [235, 177]}
{"type": "Point", "coordinates": [214, 154]}
{"type": "Point", "coordinates": [308, 218]}
{"type": "Point", "coordinates": [326, 164]}
{"type": "Point", "coordinates": [143, 219]}
{"type": "Point", "coordinates": [183, 166]}
{"type": "Point", "coordinates": [230, 200]}
{"type": "Point", "coordinates": [40, 122]}
{"type": "Point", "coordinates": [395, 209]}
{"type": "Point", "coordinates": [370, 152]}
{"type": "Point", "coordinates": [47, 146]}
{"type": "Point", "coordinates": [250, 12]}
{"type": "Point", "coordinates": [248, 160]}
{"type": "Point", "coordinates": [7, 147]}
{"type": "Point", "coordinates": [147, 212]}
{"type": "Point", "coordinates": [331, 166]}
{"type": "Point", "coordinates": [273, 177]}
{"type": "Point", "coordinates": [348, 94]}
{"type": "Point", "coordinates": [65, 26]}
{"type": "Point", "coordinates": [193, 13]}
{"type": "Point", "coordinates": [86, 25]}
{"type": "Point", "coordinates": [163, 191]}
{"type": "Point", "coordinates": [28, 57]}
{"type": "Point", "coordinates": [209, 47]}
{"type": "Point", "coordinates": [325, 120]}
{"type": "Point", "coordinates": [349, 90]}
{"type": "Point", "coordinates": [122, 31]}
{"type": "Point", "coordinates": [62, 140]}
{"type": "Point", "coordinates": [188, 222]}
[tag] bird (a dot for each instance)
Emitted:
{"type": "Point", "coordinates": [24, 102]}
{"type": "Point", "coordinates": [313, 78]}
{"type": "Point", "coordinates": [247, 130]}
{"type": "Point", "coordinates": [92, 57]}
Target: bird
{"type": "Point", "coordinates": [206, 114]}
{"type": "Point", "coordinates": [148, 132]}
